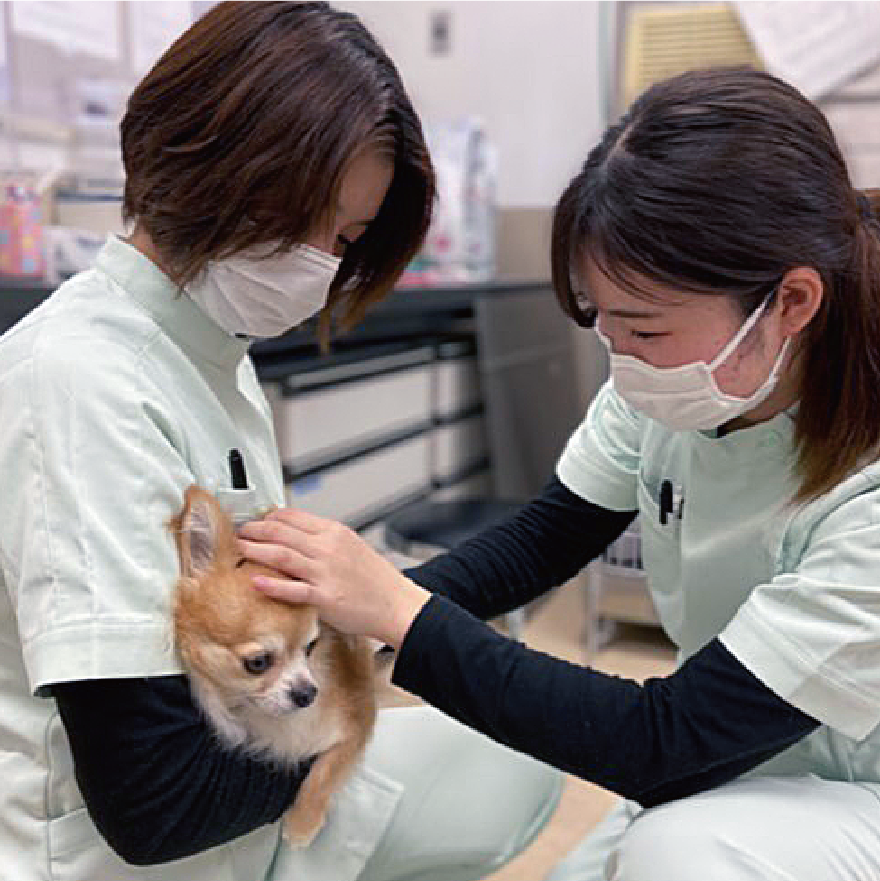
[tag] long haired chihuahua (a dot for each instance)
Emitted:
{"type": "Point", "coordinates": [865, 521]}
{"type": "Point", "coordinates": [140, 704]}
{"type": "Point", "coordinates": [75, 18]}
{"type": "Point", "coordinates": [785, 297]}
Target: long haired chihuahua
{"type": "Point", "coordinates": [270, 677]}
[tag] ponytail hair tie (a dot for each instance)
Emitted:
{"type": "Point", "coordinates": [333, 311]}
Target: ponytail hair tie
{"type": "Point", "coordinates": [865, 207]}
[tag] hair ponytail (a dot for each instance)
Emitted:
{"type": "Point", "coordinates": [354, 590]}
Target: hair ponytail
{"type": "Point", "coordinates": [837, 428]}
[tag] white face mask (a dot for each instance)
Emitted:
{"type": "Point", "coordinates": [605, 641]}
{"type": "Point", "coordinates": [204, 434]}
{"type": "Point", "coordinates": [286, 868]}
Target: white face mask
{"type": "Point", "coordinates": [687, 397]}
{"type": "Point", "coordinates": [255, 295]}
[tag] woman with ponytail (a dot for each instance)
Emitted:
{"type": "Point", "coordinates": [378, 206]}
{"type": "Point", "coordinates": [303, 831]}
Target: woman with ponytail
{"type": "Point", "coordinates": [715, 243]}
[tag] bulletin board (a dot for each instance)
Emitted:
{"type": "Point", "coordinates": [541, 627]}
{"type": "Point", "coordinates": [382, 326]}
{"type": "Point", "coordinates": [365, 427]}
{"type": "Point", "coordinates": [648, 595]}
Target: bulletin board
{"type": "Point", "coordinates": [66, 70]}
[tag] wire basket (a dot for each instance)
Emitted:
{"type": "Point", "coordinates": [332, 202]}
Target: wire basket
{"type": "Point", "coordinates": [618, 586]}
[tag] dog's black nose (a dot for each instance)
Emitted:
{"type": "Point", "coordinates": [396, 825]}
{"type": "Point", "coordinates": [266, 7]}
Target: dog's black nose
{"type": "Point", "coordinates": [303, 695]}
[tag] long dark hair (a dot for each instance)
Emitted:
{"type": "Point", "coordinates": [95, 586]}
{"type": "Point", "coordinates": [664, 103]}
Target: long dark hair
{"type": "Point", "coordinates": [242, 131]}
{"type": "Point", "coordinates": [720, 181]}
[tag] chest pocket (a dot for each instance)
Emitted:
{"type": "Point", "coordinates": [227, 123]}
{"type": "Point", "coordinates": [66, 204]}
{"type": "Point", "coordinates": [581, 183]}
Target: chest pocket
{"type": "Point", "coordinates": [661, 549]}
{"type": "Point", "coordinates": [240, 504]}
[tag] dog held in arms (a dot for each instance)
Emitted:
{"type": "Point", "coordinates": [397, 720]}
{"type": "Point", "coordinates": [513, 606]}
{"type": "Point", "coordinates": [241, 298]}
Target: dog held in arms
{"type": "Point", "coordinates": [270, 677]}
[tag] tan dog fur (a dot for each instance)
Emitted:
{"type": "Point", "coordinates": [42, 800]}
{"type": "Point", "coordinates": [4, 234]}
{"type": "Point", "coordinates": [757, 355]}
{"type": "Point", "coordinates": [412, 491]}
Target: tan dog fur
{"type": "Point", "coordinates": [221, 623]}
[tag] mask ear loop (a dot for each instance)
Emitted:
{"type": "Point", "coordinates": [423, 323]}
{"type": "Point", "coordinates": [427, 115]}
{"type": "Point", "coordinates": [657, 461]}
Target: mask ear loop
{"type": "Point", "coordinates": [602, 338]}
{"type": "Point", "coordinates": [742, 333]}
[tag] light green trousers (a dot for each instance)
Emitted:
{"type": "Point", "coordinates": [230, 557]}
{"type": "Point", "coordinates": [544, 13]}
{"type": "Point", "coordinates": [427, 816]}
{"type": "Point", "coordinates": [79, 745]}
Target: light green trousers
{"type": "Point", "coordinates": [434, 801]}
{"type": "Point", "coordinates": [757, 829]}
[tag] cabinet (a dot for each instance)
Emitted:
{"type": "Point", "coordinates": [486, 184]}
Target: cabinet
{"type": "Point", "coordinates": [365, 433]}
{"type": "Point", "coordinates": [354, 433]}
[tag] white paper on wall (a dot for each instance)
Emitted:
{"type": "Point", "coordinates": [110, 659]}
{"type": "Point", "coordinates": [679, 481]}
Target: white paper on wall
{"type": "Point", "coordinates": [88, 27]}
{"type": "Point", "coordinates": [816, 46]}
{"type": "Point", "coordinates": [200, 7]}
{"type": "Point", "coordinates": [4, 64]}
{"type": "Point", "coordinates": [152, 28]}
{"type": "Point", "coordinates": [4, 58]}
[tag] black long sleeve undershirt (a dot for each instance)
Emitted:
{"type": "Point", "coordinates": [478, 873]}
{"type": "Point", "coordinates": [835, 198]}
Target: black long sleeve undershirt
{"type": "Point", "coordinates": [541, 546]}
{"type": "Point", "coordinates": [155, 780]}
{"type": "Point", "coordinates": [709, 722]}
{"type": "Point", "coordinates": [704, 725]}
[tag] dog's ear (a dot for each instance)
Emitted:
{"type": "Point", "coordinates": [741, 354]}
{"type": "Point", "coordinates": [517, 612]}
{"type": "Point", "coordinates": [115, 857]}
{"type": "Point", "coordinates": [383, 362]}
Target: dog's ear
{"type": "Point", "coordinates": [202, 529]}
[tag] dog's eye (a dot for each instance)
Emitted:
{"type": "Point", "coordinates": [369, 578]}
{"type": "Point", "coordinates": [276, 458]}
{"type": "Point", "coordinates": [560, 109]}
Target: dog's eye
{"type": "Point", "coordinates": [257, 664]}
{"type": "Point", "coordinates": [311, 646]}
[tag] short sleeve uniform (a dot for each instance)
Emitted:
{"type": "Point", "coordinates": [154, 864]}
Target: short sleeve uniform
{"type": "Point", "coordinates": [792, 590]}
{"type": "Point", "coordinates": [115, 395]}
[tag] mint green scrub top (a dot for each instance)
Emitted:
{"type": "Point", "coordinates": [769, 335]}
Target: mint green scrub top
{"type": "Point", "coordinates": [115, 395]}
{"type": "Point", "coordinates": [792, 590]}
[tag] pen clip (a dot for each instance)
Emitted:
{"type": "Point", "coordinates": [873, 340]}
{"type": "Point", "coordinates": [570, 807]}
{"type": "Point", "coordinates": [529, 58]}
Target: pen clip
{"type": "Point", "coordinates": [666, 503]}
{"type": "Point", "coordinates": [236, 470]}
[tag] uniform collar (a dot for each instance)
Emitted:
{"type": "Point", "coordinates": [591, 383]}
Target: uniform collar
{"type": "Point", "coordinates": [169, 307]}
{"type": "Point", "coordinates": [777, 431]}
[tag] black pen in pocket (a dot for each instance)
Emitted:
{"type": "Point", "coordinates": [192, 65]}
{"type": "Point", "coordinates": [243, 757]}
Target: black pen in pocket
{"type": "Point", "coordinates": [666, 503]}
{"type": "Point", "coordinates": [236, 470]}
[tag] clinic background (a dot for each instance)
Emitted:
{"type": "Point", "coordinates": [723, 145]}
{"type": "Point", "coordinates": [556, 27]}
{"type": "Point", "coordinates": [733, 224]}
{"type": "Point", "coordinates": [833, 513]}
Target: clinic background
{"type": "Point", "coordinates": [454, 398]}
{"type": "Point", "coordinates": [536, 80]}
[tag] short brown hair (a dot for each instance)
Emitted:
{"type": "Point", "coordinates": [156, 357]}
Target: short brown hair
{"type": "Point", "coordinates": [719, 181]}
{"type": "Point", "coordinates": [242, 131]}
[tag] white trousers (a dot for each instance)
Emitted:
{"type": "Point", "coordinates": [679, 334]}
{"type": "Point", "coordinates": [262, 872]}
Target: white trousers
{"type": "Point", "coordinates": [756, 829]}
{"type": "Point", "coordinates": [434, 801]}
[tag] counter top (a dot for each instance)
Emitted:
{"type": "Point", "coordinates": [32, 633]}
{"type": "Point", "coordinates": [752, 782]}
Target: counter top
{"type": "Point", "coordinates": [409, 312]}
{"type": "Point", "coordinates": [19, 296]}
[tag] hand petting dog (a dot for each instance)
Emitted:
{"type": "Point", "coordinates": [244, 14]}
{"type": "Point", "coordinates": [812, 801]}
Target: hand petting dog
{"type": "Point", "coordinates": [330, 566]}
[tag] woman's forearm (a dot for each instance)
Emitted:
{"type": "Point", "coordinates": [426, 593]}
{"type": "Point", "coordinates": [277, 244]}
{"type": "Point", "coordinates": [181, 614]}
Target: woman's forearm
{"type": "Point", "coordinates": [702, 726]}
{"type": "Point", "coordinates": [155, 779]}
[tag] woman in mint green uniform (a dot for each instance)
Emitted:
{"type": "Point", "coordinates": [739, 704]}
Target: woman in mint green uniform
{"type": "Point", "coordinates": [274, 165]}
{"type": "Point", "coordinates": [715, 242]}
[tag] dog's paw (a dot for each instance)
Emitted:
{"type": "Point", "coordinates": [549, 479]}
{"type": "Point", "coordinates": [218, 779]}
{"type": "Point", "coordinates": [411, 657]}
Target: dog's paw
{"type": "Point", "coordinates": [300, 830]}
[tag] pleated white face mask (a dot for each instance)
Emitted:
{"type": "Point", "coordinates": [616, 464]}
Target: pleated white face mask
{"type": "Point", "coordinates": [687, 397]}
{"type": "Point", "coordinates": [261, 296]}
